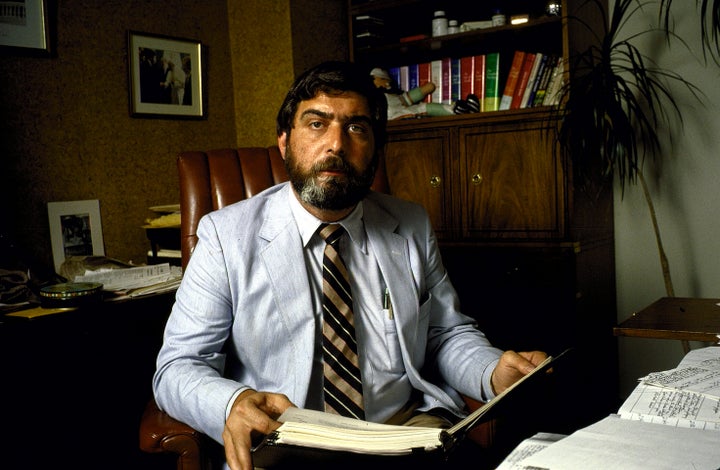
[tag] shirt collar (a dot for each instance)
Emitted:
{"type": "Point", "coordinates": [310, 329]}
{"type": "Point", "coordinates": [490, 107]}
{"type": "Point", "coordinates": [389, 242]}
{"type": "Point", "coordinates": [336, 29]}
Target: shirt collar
{"type": "Point", "coordinates": [308, 223]}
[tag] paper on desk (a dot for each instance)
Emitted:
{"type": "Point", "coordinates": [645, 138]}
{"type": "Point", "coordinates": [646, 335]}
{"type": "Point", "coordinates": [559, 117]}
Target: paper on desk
{"type": "Point", "coordinates": [526, 448]}
{"type": "Point", "coordinates": [127, 279]}
{"type": "Point", "coordinates": [620, 443]}
{"type": "Point", "coordinates": [699, 372]}
{"type": "Point", "coordinates": [39, 312]}
{"type": "Point", "coordinates": [679, 408]}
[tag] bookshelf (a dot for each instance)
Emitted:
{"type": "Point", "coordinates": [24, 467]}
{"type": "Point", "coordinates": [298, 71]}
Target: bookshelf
{"type": "Point", "coordinates": [530, 253]}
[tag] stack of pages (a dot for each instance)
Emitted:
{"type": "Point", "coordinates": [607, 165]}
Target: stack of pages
{"type": "Point", "coordinates": [326, 439]}
{"type": "Point", "coordinates": [670, 421]}
{"type": "Point", "coordinates": [135, 281]}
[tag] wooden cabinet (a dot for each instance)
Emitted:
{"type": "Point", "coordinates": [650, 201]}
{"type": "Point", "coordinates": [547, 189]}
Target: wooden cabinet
{"type": "Point", "coordinates": [481, 176]}
{"type": "Point", "coordinates": [530, 253]}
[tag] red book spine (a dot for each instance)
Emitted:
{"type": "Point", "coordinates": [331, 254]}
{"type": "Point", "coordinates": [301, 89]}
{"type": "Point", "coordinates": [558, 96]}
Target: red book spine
{"type": "Point", "coordinates": [479, 79]}
{"type": "Point", "coordinates": [522, 81]}
{"type": "Point", "coordinates": [467, 76]}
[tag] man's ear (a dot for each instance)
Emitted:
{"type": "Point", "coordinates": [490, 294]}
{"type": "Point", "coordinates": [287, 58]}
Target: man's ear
{"type": "Point", "coordinates": [282, 143]}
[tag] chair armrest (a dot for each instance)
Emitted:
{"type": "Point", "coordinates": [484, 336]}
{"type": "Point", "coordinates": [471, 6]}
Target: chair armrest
{"type": "Point", "coordinates": [160, 433]}
{"type": "Point", "coordinates": [484, 433]}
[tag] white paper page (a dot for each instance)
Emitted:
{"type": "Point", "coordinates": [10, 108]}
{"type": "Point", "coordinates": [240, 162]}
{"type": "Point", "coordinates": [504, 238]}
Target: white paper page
{"type": "Point", "coordinates": [698, 372]}
{"type": "Point", "coordinates": [328, 431]}
{"type": "Point", "coordinates": [678, 408]}
{"type": "Point", "coordinates": [619, 443]}
{"type": "Point", "coordinates": [526, 448]}
{"type": "Point", "coordinates": [704, 357]}
{"type": "Point", "coordinates": [132, 278]}
{"type": "Point", "coordinates": [302, 415]}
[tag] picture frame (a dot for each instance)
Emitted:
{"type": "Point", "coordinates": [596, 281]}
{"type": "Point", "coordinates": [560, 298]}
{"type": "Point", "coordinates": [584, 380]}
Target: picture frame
{"type": "Point", "coordinates": [25, 28]}
{"type": "Point", "coordinates": [75, 230]}
{"type": "Point", "coordinates": [165, 77]}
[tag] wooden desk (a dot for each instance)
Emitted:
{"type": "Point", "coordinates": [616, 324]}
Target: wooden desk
{"type": "Point", "coordinates": [679, 318]}
{"type": "Point", "coordinates": [78, 382]}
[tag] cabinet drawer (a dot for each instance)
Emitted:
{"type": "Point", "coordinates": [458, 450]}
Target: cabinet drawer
{"type": "Point", "coordinates": [511, 183]}
{"type": "Point", "coordinates": [418, 170]}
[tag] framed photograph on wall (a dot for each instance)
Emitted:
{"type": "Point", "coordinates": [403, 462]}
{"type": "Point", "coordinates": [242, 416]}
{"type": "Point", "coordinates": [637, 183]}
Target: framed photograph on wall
{"type": "Point", "coordinates": [166, 76]}
{"type": "Point", "coordinates": [75, 230]}
{"type": "Point", "coordinates": [25, 27]}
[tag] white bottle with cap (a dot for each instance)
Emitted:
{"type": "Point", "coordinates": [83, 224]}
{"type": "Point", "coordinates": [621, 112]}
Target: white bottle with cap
{"type": "Point", "coordinates": [439, 24]}
{"type": "Point", "coordinates": [498, 19]}
{"type": "Point", "coordinates": [453, 27]}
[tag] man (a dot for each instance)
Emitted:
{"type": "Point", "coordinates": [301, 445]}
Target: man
{"type": "Point", "coordinates": [245, 338]}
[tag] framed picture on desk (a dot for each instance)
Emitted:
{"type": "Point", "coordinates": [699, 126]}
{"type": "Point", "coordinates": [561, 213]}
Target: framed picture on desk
{"type": "Point", "coordinates": [75, 230]}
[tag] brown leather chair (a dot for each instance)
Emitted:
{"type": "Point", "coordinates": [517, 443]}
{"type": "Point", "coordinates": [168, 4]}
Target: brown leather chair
{"type": "Point", "coordinates": [209, 181]}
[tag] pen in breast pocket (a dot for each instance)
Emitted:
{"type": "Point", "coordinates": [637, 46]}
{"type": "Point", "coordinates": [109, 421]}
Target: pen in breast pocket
{"type": "Point", "coordinates": [387, 305]}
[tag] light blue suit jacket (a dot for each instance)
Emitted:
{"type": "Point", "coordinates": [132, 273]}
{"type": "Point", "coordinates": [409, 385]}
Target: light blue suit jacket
{"type": "Point", "coordinates": [243, 314]}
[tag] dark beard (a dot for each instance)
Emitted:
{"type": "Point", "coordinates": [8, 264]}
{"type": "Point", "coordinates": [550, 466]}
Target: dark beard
{"type": "Point", "coordinates": [336, 193]}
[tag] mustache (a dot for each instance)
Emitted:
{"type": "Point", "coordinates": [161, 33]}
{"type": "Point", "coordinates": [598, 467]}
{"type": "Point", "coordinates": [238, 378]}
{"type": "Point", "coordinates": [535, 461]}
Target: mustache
{"type": "Point", "coordinates": [332, 163]}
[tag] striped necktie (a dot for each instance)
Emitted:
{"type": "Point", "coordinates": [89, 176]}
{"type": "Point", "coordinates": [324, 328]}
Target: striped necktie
{"type": "Point", "coordinates": [342, 384]}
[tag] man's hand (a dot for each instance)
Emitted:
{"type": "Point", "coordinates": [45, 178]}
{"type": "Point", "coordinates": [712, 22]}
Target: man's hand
{"type": "Point", "coordinates": [513, 366]}
{"type": "Point", "coordinates": [252, 414]}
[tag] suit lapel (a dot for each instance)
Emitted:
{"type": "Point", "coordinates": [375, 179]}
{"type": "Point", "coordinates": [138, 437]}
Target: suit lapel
{"type": "Point", "coordinates": [397, 271]}
{"type": "Point", "coordinates": [285, 266]}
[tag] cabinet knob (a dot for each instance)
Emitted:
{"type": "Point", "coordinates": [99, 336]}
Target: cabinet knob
{"type": "Point", "coordinates": [435, 181]}
{"type": "Point", "coordinates": [476, 178]}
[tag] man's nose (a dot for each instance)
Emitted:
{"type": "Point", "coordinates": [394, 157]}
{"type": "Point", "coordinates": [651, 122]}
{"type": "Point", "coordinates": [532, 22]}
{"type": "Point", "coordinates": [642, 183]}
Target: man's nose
{"type": "Point", "coordinates": [336, 136]}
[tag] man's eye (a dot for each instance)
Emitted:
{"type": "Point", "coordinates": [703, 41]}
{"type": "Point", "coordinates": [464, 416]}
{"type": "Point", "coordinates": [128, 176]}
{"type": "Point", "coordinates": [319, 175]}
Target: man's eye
{"type": "Point", "coordinates": [316, 124]}
{"type": "Point", "coordinates": [358, 129]}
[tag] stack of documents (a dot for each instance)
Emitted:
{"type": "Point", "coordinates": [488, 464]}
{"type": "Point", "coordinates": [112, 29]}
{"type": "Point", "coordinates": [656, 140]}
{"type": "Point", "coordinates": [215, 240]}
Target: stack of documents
{"type": "Point", "coordinates": [136, 281]}
{"type": "Point", "coordinates": [670, 421]}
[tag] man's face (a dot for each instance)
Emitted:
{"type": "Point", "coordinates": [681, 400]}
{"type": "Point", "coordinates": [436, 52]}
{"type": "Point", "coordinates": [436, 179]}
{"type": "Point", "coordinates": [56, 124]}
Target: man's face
{"type": "Point", "coordinates": [329, 154]}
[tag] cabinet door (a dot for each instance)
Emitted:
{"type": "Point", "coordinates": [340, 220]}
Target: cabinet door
{"type": "Point", "coordinates": [512, 182]}
{"type": "Point", "coordinates": [418, 170]}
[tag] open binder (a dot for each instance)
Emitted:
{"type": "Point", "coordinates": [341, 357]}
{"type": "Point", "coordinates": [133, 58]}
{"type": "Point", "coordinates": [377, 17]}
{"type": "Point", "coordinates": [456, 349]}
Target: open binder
{"type": "Point", "coordinates": [325, 439]}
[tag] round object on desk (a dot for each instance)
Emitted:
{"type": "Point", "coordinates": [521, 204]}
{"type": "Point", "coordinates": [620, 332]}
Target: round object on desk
{"type": "Point", "coordinates": [70, 294]}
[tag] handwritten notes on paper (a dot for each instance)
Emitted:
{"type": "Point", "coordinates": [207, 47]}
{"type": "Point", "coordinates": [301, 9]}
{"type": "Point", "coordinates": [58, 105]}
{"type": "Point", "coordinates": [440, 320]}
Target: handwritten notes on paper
{"type": "Point", "coordinates": [670, 421]}
{"type": "Point", "coordinates": [624, 444]}
{"type": "Point", "coordinates": [687, 396]}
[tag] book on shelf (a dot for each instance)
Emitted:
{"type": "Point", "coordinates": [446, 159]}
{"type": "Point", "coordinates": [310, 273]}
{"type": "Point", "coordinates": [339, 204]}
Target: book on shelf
{"type": "Point", "coordinates": [671, 420]}
{"type": "Point", "coordinates": [523, 80]}
{"type": "Point", "coordinates": [394, 73]}
{"type": "Point", "coordinates": [413, 76]}
{"type": "Point", "coordinates": [436, 75]}
{"type": "Point", "coordinates": [552, 93]}
{"type": "Point", "coordinates": [320, 437]}
{"type": "Point", "coordinates": [404, 78]}
{"type": "Point", "coordinates": [545, 74]}
{"type": "Point", "coordinates": [531, 86]}
{"type": "Point", "coordinates": [511, 82]}
{"type": "Point", "coordinates": [425, 76]}
{"type": "Point", "coordinates": [479, 80]}
{"type": "Point", "coordinates": [455, 92]}
{"type": "Point", "coordinates": [492, 82]}
{"type": "Point", "coordinates": [445, 87]}
{"type": "Point", "coordinates": [467, 76]}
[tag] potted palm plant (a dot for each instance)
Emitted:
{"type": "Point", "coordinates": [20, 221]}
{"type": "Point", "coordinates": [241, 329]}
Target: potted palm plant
{"type": "Point", "coordinates": [609, 113]}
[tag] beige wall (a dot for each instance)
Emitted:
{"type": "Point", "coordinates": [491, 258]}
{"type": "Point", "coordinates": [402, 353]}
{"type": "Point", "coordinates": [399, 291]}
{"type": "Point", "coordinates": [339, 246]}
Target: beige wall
{"type": "Point", "coordinates": [261, 50]}
{"type": "Point", "coordinates": [271, 42]}
{"type": "Point", "coordinates": [65, 130]}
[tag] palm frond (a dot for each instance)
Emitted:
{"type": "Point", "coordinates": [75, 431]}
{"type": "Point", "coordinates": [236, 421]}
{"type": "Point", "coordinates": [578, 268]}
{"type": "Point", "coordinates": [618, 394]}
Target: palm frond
{"type": "Point", "coordinates": [610, 110]}
{"type": "Point", "coordinates": [709, 25]}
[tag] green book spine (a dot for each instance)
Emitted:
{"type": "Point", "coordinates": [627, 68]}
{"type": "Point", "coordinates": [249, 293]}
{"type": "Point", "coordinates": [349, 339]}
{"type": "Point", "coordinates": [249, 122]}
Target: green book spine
{"type": "Point", "coordinates": [492, 81]}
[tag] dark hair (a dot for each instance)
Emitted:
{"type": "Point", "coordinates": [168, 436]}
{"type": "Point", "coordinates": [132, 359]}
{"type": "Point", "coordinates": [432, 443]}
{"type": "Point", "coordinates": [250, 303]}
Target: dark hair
{"type": "Point", "coordinates": [334, 77]}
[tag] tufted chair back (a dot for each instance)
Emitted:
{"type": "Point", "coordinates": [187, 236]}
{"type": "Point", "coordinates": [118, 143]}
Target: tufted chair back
{"type": "Point", "coordinates": [214, 179]}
